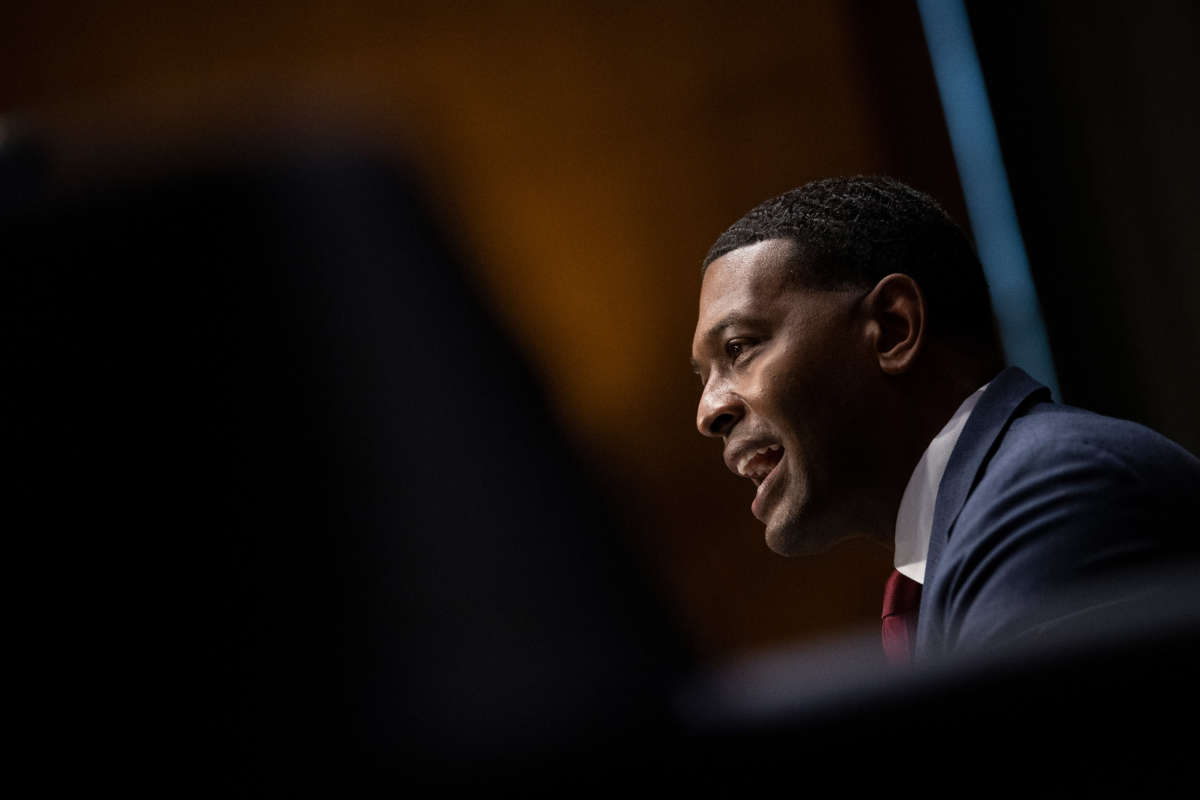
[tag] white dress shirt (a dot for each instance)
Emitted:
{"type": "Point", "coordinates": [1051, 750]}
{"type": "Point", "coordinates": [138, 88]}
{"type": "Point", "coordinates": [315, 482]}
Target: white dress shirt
{"type": "Point", "coordinates": [914, 521]}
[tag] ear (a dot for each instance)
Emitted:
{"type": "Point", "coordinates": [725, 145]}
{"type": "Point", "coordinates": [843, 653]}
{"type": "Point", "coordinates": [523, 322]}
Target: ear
{"type": "Point", "coordinates": [895, 311]}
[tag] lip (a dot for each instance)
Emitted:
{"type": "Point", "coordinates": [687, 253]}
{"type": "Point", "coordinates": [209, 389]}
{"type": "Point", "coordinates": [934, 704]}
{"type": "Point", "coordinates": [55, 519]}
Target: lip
{"type": "Point", "coordinates": [761, 501]}
{"type": "Point", "coordinates": [732, 457]}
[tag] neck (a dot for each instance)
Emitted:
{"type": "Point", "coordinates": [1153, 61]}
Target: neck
{"type": "Point", "coordinates": [919, 404]}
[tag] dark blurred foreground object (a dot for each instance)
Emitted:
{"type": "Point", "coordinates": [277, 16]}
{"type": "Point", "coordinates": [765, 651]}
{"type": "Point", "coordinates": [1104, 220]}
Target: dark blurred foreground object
{"type": "Point", "coordinates": [259, 404]}
{"type": "Point", "coordinates": [1100, 706]}
{"type": "Point", "coordinates": [291, 514]}
{"type": "Point", "coordinates": [24, 166]}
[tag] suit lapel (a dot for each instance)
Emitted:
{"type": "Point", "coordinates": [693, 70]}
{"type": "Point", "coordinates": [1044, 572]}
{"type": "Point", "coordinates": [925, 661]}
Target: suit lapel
{"type": "Point", "coordinates": [996, 408]}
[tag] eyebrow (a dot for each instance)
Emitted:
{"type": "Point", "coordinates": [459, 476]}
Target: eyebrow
{"type": "Point", "coordinates": [728, 321]}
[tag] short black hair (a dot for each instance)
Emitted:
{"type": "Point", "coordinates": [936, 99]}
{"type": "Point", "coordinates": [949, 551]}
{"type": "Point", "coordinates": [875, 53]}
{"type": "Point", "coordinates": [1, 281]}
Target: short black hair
{"type": "Point", "coordinates": [853, 231]}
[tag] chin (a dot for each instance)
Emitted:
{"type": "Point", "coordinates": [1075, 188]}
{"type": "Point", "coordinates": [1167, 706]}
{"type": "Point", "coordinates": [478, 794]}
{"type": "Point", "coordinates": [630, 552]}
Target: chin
{"type": "Point", "coordinates": [803, 535]}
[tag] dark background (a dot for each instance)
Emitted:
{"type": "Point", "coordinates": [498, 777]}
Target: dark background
{"type": "Point", "coordinates": [583, 157]}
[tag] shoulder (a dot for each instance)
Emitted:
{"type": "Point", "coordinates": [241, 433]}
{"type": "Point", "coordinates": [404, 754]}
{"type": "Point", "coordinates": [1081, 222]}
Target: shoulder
{"type": "Point", "coordinates": [1069, 474]}
{"type": "Point", "coordinates": [1058, 442]}
{"type": "Point", "coordinates": [1065, 497]}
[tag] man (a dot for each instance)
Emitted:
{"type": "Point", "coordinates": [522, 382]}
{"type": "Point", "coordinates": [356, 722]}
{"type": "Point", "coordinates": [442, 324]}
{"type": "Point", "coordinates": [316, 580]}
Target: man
{"type": "Point", "coordinates": [850, 364]}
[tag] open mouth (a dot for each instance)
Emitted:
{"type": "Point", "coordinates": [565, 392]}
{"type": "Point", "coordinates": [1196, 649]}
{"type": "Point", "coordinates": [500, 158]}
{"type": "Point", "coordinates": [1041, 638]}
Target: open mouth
{"type": "Point", "coordinates": [760, 463]}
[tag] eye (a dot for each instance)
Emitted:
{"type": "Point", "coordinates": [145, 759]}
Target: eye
{"type": "Point", "coordinates": [737, 347]}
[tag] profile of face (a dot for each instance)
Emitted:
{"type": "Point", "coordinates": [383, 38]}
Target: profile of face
{"type": "Point", "coordinates": [786, 387]}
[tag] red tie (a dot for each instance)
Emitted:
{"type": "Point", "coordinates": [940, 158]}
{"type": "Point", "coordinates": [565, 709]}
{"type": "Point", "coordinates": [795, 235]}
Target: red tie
{"type": "Point", "coordinates": [901, 601]}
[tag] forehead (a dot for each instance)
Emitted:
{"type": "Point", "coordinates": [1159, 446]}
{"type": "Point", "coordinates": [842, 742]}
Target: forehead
{"type": "Point", "coordinates": [749, 280]}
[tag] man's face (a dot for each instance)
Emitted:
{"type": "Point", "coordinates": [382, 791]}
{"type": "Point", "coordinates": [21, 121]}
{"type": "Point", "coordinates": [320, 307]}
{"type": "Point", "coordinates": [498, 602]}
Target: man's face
{"type": "Point", "coordinates": [783, 371]}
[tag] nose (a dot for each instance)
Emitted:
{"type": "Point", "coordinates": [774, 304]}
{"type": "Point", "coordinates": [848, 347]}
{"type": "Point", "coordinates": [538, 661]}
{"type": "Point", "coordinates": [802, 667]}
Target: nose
{"type": "Point", "coordinates": [719, 410]}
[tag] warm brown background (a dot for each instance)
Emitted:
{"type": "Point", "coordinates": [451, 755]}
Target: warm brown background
{"type": "Point", "coordinates": [588, 154]}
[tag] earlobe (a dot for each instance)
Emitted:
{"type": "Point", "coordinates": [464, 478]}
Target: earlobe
{"type": "Point", "coordinates": [897, 322]}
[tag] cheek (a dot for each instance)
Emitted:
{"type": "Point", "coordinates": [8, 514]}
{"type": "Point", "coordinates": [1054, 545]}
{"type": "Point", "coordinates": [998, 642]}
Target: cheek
{"type": "Point", "coordinates": [821, 413]}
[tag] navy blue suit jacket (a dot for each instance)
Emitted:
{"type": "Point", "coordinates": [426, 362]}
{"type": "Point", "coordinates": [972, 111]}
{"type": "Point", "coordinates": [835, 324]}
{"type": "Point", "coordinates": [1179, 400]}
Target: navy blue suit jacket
{"type": "Point", "coordinates": [1040, 501]}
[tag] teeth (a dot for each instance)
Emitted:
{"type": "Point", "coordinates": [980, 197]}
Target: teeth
{"type": "Point", "coordinates": [748, 457]}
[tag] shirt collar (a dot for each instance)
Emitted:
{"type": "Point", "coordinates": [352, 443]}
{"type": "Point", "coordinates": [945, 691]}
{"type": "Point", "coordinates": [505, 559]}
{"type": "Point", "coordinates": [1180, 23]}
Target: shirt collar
{"type": "Point", "coordinates": [914, 521]}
